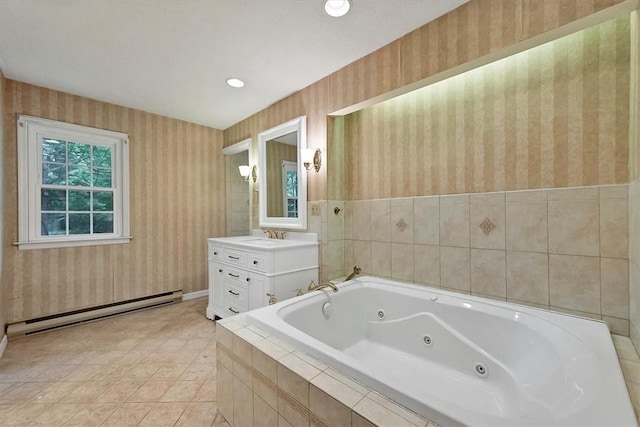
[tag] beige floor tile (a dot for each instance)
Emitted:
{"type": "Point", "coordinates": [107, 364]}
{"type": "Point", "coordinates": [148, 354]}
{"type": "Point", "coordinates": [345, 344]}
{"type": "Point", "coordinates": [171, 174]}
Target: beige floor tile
{"type": "Point", "coordinates": [199, 371]}
{"type": "Point", "coordinates": [182, 391]}
{"type": "Point", "coordinates": [91, 414]}
{"type": "Point", "coordinates": [87, 392]}
{"type": "Point", "coordinates": [23, 392]}
{"type": "Point", "coordinates": [119, 391]}
{"type": "Point", "coordinates": [23, 414]}
{"type": "Point", "coordinates": [56, 392]}
{"type": "Point", "coordinates": [198, 414]}
{"type": "Point", "coordinates": [208, 392]}
{"type": "Point", "coordinates": [150, 391]}
{"type": "Point", "coordinates": [164, 414]}
{"type": "Point", "coordinates": [169, 372]}
{"type": "Point", "coordinates": [128, 414]}
{"type": "Point", "coordinates": [57, 414]}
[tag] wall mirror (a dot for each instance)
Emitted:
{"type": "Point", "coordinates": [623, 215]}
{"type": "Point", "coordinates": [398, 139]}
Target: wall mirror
{"type": "Point", "coordinates": [282, 179]}
{"type": "Point", "coordinates": [238, 188]}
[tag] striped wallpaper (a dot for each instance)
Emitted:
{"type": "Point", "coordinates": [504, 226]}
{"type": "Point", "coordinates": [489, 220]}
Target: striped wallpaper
{"type": "Point", "coordinates": [469, 32]}
{"type": "Point", "coordinates": [3, 297]}
{"type": "Point", "coordinates": [553, 116]}
{"type": "Point", "coordinates": [177, 201]}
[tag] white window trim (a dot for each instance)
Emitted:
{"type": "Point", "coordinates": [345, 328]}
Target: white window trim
{"type": "Point", "coordinates": [29, 176]}
{"type": "Point", "coordinates": [287, 166]}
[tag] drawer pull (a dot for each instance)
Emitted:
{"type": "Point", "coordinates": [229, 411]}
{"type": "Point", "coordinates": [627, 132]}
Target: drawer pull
{"type": "Point", "coordinates": [234, 275]}
{"type": "Point", "coordinates": [220, 271]}
{"type": "Point", "coordinates": [233, 311]}
{"type": "Point", "coordinates": [255, 262]}
{"type": "Point", "coordinates": [233, 293]}
{"type": "Point", "coordinates": [248, 279]}
{"type": "Point", "coordinates": [215, 253]}
{"type": "Point", "coordinates": [234, 257]}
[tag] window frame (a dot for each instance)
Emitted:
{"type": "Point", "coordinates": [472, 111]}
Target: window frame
{"type": "Point", "coordinates": [289, 166]}
{"type": "Point", "coordinates": [31, 131]}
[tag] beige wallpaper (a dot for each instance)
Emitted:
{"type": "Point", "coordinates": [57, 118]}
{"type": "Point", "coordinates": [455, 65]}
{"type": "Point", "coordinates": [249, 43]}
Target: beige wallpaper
{"type": "Point", "coordinates": [3, 303]}
{"type": "Point", "coordinates": [469, 32]}
{"type": "Point", "coordinates": [237, 196]}
{"type": "Point", "coordinates": [177, 201]}
{"type": "Point", "coordinates": [554, 116]}
{"type": "Point", "coordinates": [276, 152]}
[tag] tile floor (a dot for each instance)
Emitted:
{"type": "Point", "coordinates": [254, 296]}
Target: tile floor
{"type": "Point", "coordinates": [151, 368]}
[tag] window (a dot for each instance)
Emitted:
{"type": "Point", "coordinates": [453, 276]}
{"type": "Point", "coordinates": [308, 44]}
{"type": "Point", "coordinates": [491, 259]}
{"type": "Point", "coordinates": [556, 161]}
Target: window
{"type": "Point", "coordinates": [290, 185]}
{"type": "Point", "coordinates": [73, 187]}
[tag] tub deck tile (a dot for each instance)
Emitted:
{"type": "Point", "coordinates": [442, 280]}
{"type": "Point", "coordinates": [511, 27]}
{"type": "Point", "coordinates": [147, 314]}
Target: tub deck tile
{"type": "Point", "coordinates": [337, 390]}
{"type": "Point", "coordinates": [382, 416]}
{"type": "Point", "coordinates": [399, 410]}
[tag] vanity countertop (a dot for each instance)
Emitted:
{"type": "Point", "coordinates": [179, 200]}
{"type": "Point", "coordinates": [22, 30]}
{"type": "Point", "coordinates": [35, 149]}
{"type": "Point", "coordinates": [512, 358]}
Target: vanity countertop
{"type": "Point", "coordinates": [257, 242]}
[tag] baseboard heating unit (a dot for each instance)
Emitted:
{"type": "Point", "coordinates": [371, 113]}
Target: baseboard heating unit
{"type": "Point", "coordinates": [56, 321]}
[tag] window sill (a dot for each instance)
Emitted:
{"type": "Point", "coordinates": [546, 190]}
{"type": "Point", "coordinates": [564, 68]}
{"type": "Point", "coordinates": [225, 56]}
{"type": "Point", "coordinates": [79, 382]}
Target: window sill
{"type": "Point", "coordinates": [52, 244]}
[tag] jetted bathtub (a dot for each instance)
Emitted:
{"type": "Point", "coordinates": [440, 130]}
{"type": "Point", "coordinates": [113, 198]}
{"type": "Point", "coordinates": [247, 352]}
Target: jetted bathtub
{"type": "Point", "coordinates": [459, 360]}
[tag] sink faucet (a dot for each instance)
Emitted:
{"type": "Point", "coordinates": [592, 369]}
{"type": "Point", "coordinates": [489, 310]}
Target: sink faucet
{"type": "Point", "coordinates": [354, 273]}
{"type": "Point", "coordinates": [269, 232]}
{"type": "Point", "coordinates": [314, 287]}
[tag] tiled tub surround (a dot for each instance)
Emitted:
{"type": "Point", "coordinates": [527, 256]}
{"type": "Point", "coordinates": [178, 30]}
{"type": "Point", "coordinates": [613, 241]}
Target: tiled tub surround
{"type": "Point", "coordinates": [560, 249]}
{"type": "Point", "coordinates": [264, 381]}
{"type": "Point", "coordinates": [634, 261]}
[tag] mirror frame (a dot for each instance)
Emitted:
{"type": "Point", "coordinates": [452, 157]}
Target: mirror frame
{"type": "Point", "coordinates": [298, 125]}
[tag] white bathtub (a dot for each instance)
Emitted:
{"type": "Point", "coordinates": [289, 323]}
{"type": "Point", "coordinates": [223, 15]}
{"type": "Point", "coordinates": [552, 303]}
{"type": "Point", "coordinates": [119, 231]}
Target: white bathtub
{"type": "Point", "coordinates": [460, 360]}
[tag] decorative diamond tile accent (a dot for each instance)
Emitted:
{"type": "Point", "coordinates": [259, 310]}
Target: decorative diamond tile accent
{"type": "Point", "coordinates": [402, 225]}
{"type": "Point", "coordinates": [487, 226]}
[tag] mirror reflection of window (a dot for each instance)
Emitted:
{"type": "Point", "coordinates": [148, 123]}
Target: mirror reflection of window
{"type": "Point", "coordinates": [280, 151]}
{"type": "Point", "coordinates": [290, 188]}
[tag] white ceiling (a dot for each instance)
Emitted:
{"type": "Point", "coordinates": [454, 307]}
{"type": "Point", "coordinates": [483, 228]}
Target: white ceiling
{"type": "Point", "coordinates": [171, 57]}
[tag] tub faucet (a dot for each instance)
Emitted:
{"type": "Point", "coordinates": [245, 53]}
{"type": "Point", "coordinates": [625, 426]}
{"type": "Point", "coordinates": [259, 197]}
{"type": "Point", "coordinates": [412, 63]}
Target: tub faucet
{"type": "Point", "coordinates": [354, 273]}
{"type": "Point", "coordinates": [314, 287]}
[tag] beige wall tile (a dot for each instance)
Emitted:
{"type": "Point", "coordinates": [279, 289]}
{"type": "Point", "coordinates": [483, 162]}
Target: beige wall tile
{"type": "Point", "coordinates": [359, 421]}
{"type": "Point", "coordinates": [266, 365]}
{"type": "Point", "coordinates": [615, 287]}
{"type": "Point", "coordinates": [617, 326]}
{"type": "Point", "coordinates": [526, 196]}
{"type": "Point", "coordinates": [426, 220]}
{"type": "Point", "coordinates": [293, 384]}
{"type": "Point", "coordinates": [335, 222]}
{"type": "Point", "coordinates": [426, 264]}
{"type": "Point", "coordinates": [266, 389]}
{"type": "Point", "coordinates": [379, 415]}
{"type": "Point", "coordinates": [361, 224]}
{"type": "Point", "coordinates": [225, 393]}
{"type": "Point", "coordinates": [242, 404]}
{"type": "Point", "coordinates": [488, 272]}
{"type": "Point", "coordinates": [328, 409]}
{"type": "Point", "coordinates": [455, 268]}
{"type": "Point", "coordinates": [402, 259]}
{"type": "Point", "coordinates": [574, 282]}
{"type": "Point", "coordinates": [527, 226]}
{"type": "Point", "coordinates": [335, 258]}
{"type": "Point", "coordinates": [575, 193]}
{"type": "Point", "coordinates": [362, 255]}
{"type": "Point", "coordinates": [574, 227]}
{"type": "Point", "coordinates": [348, 256]}
{"type": "Point", "coordinates": [348, 219]}
{"type": "Point", "coordinates": [381, 259]}
{"type": "Point", "coordinates": [481, 207]}
{"type": "Point", "coordinates": [263, 414]}
{"type": "Point", "coordinates": [620, 191]}
{"type": "Point", "coordinates": [338, 390]}
{"type": "Point", "coordinates": [381, 220]}
{"type": "Point", "coordinates": [528, 277]}
{"type": "Point", "coordinates": [291, 415]}
{"type": "Point", "coordinates": [454, 220]}
{"type": "Point", "coordinates": [614, 228]}
{"type": "Point", "coordinates": [402, 222]}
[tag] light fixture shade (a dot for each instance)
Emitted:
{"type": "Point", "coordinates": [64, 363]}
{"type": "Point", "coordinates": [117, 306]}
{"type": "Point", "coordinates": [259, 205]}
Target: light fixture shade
{"type": "Point", "coordinates": [245, 170]}
{"type": "Point", "coordinates": [337, 8]}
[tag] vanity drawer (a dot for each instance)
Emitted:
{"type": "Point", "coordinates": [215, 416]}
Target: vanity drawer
{"type": "Point", "coordinates": [215, 252]}
{"type": "Point", "coordinates": [235, 296]}
{"type": "Point", "coordinates": [256, 262]}
{"type": "Point", "coordinates": [240, 277]}
{"type": "Point", "coordinates": [231, 256]}
{"type": "Point", "coordinates": [232, 310]}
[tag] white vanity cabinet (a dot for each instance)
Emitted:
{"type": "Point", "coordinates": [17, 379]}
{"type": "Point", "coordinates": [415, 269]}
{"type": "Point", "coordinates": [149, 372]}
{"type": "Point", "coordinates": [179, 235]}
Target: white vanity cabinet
{"type": "Point", "coordinates": [244, 271]}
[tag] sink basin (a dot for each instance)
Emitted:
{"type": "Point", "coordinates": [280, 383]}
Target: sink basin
{"type": "Point", "coordinates": [270, 242]}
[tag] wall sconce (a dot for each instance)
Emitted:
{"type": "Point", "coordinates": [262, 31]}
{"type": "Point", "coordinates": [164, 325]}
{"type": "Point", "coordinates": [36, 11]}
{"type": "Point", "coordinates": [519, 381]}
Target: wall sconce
{"type": "Point", "coordinates": [311, 157]}
{"type": "Point", "coordinates": [246, 170]}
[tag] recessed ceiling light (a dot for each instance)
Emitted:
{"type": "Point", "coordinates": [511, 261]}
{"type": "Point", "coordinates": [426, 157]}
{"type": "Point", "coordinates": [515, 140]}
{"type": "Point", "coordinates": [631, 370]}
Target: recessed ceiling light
{"type": "Point", "coordinates": [337, 8]}
{"type": "Point", "coordinates": [233, 82]}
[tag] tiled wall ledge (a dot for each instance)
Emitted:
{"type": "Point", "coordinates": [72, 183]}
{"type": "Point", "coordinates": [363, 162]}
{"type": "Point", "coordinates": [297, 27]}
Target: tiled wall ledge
{"type": "Point", "coordinates": [263, 381]}
{"type": "Point", "coordinates": [561, 249]}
